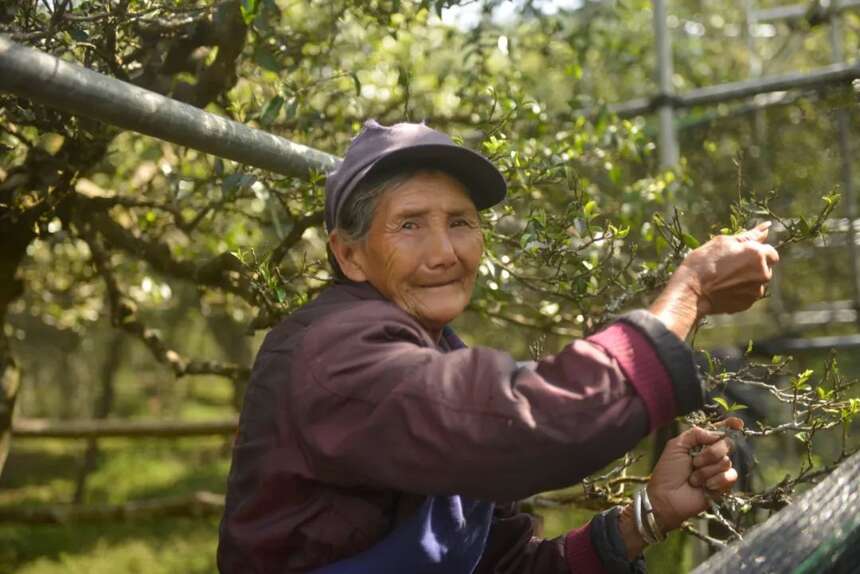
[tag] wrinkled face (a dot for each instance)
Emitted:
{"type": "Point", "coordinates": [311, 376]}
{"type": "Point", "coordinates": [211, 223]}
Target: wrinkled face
{"type": "Point", "coordinates": [424, 247]}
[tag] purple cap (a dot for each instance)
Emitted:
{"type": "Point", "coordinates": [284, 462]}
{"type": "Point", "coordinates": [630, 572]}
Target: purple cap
{"type": "Point", "coordinates": [380, 147]}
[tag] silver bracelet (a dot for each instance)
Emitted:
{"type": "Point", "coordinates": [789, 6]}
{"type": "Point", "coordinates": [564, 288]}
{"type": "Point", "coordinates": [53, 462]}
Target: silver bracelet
{"type": "Point", "coordinates": [650, 520]}
{"type": "Point", "coordinates": [637, 513]}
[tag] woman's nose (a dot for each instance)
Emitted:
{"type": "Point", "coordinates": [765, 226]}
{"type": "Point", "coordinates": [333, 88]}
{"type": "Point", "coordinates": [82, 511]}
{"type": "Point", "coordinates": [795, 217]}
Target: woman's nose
{"type": "Point", "coordinates": [440, 249]}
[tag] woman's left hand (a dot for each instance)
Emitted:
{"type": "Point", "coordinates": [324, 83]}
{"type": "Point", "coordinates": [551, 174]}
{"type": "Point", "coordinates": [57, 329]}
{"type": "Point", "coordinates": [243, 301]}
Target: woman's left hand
{"type": "Point", "coordinates": [682, 483]}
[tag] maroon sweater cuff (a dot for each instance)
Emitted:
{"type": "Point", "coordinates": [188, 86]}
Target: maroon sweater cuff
{"type": "Point", "coordinates": [580, 553]}
{"type": "Point", "coordinates": [643, 369]}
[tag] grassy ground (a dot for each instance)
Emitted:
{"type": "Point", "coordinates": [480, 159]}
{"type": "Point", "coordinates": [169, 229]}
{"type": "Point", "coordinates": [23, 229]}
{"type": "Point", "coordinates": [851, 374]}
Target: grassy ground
{"type": "Point", "coordinates": [45, 473]}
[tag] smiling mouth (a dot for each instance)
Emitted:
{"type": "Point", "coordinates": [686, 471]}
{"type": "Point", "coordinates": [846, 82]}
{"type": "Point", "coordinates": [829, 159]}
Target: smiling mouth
{"type": "Point", "coordinates": [445, 284]}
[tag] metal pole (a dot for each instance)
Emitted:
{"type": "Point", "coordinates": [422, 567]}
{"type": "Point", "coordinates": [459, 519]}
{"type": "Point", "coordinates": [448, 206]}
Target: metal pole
{"type": "Point", "coordinates": [668, 137]}
{"type": "Point", "coordinates": [803, 11]}
{"type": "Point", "coordinates": [842, 128]}
{"type": "Point", "coordinates": [813, 79]}
{"type": "Point", "coordinates": [53, 82]}
{"type": "Point", "coordinates": [776, 303]}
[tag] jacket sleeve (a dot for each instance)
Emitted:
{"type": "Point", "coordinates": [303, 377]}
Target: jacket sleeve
{"type": "Point", "coordinates": [374, 403]}
{"type": "Point", "coordinates": [596, 548]}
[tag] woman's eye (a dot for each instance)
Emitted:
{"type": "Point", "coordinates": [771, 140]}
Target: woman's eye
{"type": "Point", "coordinates": [408, 225]}
{"type": "Point", "coordinates": [461, 223]}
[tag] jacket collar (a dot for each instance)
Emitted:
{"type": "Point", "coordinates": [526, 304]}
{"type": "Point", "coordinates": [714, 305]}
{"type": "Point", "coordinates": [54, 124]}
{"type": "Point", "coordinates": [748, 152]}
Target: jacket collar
{"type": "Point", "coordinates": [365, 291]}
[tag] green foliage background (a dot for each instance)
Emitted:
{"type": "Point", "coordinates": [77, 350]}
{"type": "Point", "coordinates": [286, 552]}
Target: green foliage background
{"type": "Point", "coordinates": [588, 230]}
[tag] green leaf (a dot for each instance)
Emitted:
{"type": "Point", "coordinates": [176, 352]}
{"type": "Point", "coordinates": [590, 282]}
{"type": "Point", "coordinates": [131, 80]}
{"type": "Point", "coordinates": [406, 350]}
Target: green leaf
{"type": "Point", "coordinates": [589, 209]}
{"type": "Point", "coordinates": [270, 110]}
{"type": "Point", "coordinates": [722, 402]}
{"type": "Point", "coordinates": [690, 241]}
{"type": "Point", "coordinates": [776, 359]}
{"type": "Point", "coordinates": [292, 108]}
{"type": "Point", "coordinates": [615, 174]}
{"type": "Point", "coordinates": [236, 181]}
{"type": "Point", "coordinates": [799, 382]}
{"type": "Point", "coordinates": [249, 10]}
{"type": "Point", "coordinates": [749, 348]}
{"type": "Point", "coordinates": [831, 199]}
{"type": "Point", "coordinates": [265, 59]}
{"type": "Point", "coordinates": [710, 359]}
{"type": "Point", "coordinates": [231, 182]}
{"type": "Point", "coordinates": [356, 83]}
{"type": "Point", "coordinates": [727, 407]}
{"type": "Point", "coordinates": [804, 376]}
{"type": "Point", "coordinates": [79, 34]}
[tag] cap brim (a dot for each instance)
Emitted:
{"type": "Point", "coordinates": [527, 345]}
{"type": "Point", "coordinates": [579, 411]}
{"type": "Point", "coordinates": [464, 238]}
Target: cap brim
{"type": "Point", "coordinates": [482, 179]}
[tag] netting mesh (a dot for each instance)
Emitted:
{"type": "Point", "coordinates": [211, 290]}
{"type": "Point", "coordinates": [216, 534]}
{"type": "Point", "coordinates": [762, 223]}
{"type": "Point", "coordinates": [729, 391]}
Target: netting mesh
{"type": "Point", "coordinates": [819, 533]}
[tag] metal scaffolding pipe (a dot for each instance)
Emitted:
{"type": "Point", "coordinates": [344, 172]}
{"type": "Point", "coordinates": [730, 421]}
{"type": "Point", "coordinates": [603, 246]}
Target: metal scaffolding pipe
{"type": "Point", "coordinates": [668, 137]}
{"type": "Point", "coordinates": [816, 78]}
{"type": "Point", "coordinates": [47, 80]}
{"type": "Point", "coordinates": [803, 11]}
{"type": "Point", "coordinates": [846, 158]}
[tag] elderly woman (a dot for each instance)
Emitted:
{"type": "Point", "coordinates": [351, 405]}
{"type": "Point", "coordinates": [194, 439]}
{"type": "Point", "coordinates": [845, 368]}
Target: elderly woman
{"type": "Point", "coordinates": [373, 441]}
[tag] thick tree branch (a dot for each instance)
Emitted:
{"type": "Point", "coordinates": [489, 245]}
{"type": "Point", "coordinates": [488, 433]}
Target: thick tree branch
{"type": "Point", "coordinates": [222, 271]}
{"type": "Point", "coordinates": [294, 236]}
{"type": "Point", "coordinates": [124, 315]}
{"type": "Point", "coordinates": [224, 30]}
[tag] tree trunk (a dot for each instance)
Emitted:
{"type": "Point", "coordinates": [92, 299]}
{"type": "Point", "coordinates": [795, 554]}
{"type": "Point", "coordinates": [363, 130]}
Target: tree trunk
{"type": "Point", "coordinates": [14, 238]}
{"type": "Point", "coordinates": [234, 342]}
{"type": "Point", "coordinates": [104, 404]}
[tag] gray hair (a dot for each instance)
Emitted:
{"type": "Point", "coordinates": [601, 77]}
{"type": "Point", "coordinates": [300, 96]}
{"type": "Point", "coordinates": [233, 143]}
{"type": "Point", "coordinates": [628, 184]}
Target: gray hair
{"type": "Point", "coordinates": [356, 215]}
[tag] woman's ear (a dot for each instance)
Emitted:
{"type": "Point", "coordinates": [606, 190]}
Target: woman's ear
{"type": "Point", "coordinates": [348, 257]}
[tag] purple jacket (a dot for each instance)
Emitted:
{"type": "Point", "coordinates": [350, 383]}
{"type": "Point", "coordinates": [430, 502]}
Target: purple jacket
{"type": "Point", "coordinates": [354, 416]}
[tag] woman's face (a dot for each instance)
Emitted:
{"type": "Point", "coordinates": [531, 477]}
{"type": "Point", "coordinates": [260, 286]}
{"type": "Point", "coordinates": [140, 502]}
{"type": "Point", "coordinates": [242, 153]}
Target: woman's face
{"type": "Point", "coordinates": [424, 247]}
